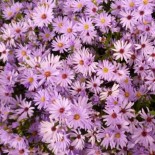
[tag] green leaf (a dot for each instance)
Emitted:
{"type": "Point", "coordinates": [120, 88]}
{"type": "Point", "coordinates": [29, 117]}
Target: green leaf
{"type": "Point", "coordinates": [152, 112]}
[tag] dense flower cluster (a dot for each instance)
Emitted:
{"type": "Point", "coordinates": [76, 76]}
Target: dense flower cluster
{"type": "Point", "coordinates": [77, 77]}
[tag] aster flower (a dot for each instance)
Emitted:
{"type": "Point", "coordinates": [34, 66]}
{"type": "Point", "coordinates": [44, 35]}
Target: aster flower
{"type": "Point", "coordinates": [85, 25]}
{"type": "Point", "coordinates": [50, 59]}
{"type": "Point", "coordinates": [140, 91]}
{"type": "Point", "coordinates": [92, 150]}
{"type": "Point", "coordinates": [59, 23]}
{"type": "Point", "coordinates": [84, 62]}
{"type": "Point", "coordinates": [117, 6]}
{"type": "Point", "coordinates": [47, 35]}
{"type": "Point", "coordinates": [48, 74]}
{"type": "Point", "coordinates": [41, 98]}
{"type": "Point", "coordinates": [21, 151]}
{"type": "Point", "coordinates": [42, 16]}
{"type": "Point", "coordinates": [91, 9]}
{"type": "Point", "coordinates": [88, 37]}
{"type": "Point", "coordinates": [61, 145]}
{"type": "Point", "coordinates": [79, 116]}
{"type": "Point", "coordinates": [129, 4]}
{"type": "Point", "coordinates": [3, 52]}
{"type": "Point", "coordinates": [8, 36]}
{"type": "Point", "coordinates": [113, 92]}
{"type": "Point", "coordinates": [113, 102]}
{"type": "Point", "coordinates": [145, 4]}
{"type": "Point", "coordinates": [145, 44]}
{"type": "Point", "coordinates": [142, 136]}
{"type": "Point", "coordinates": [17, 7]}
{"type": "Point", "coordinates": [22, 52]}
{"type": "Point", "coordinates": [127, 93]}
{"type": "Point", "coordinates": [121, 73]}
{"type": "Point", "coordinates": [49, 131]}
{"type": "Point", "coordinates": [60, 44]}
{"type": "Point", "coordinates": [61, 109]}
{"type": "Point", "coordinates": [8, 77]}
{"type": "Point", "coordinates": [29, 79]}
{"type": "Point", "coordinates": [148, 118]}
{"type": "Point", "coordinates": [105, 70]}
{"type": "Point", "coordinates": [18, 141]}
{"type": "Point", "coordinates": [150, 82]}
{"type": "Point", "coordinates": [5, 110]}
{"type": "Point", "coordinates": [78, 5]}
{"type": "Point", "coordinates": [78, 141]}
{"type": "Point", "coordinates": [151, 55]}
{"type": "Point", "coordinates": [94, 85]}
{"type": "Point", "coordinates": [127, 19]}
{"type": "Point", "coordinates": [103, 21]}
{"type": "Point", "coordinates": [69, 29]}
{"type": "Point", "coordinates": [78, 88]}
{"type": "Point", "coordinates": [122, 50]}
{"type": "Point", "coordinates": [18, 28]}
{"type": "Point", "coordinates": [8, 13]}
{"type": "Point", "coordinates": [65, 77]}
{"type": "Point", "coordinates": [119, 138]}
{"type": "Point", "coordinates": [141, 14]}
{"type": "Point", "coordinates": [107, 138]}
{"type": "Point", "coordinates": [113, 116]}
{"type": "Point", "coordinates": [6, 93]}
{"type": "Point", "coordinates": [141, 68]}
{"type": "Point", "coordinates": [25, 110]}
{"type": "Point", "coordinates": [126, 111]}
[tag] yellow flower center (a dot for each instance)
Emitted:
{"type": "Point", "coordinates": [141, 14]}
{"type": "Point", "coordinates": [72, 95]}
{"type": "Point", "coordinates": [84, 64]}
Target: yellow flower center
{"type": "Point", "coordinates": [60, 45]}
{"type": "Point", "coordinates": [115, 102]}
{"type": "Point", "coordinates": [42, 99]}
{"type": "Point", "coordinates": [86, 26]}
{"type": "Point", "coordinates": [82, 79]}
{"type": "Point", "coordinates": [81, 62]}
{"type": "Point", "coordinates": [145, 22]}
{"type": "Point", "coordinates": [47, 35]}
{"type": "Point", "coordinates": [69, 30]}
{"type": "Point", "coordinates": [76, 116]}
{"type": "Point", "coordinates": [10, 13]}
{"type": "Point", "coordinates": [126, 80]}
{"type": "Point", "coordinates": [102, 20]}
{"type": "Point", "coordinates": [10, 52]}
{"type": "Point", "coordinates": [79, 5]}
{"type": "Point", "coordinates": [145, 2]}
{"type": "Point", "coordinates": [131, 4]}
{"type": "Point", "coordinates": [94, 1]}
{"type": "Point", "coordinates": [60, 25]}
{"type": "Point", "coordinates": [43, 16]}
{"type": "Point", "coordinates": [47, 73]}
{"type": "Point", "coordinates": [30, 79]}
{"type": "Point", "coordinates": [105, 70]}
{"type": "Point", "coordinates": [117, 135]}
{"type": "Point", "coordinates": [138, 94]}
{"type": "Point", "coordinates": [126, 94]}
{"type": "Point", "coordinates": [23, 53]}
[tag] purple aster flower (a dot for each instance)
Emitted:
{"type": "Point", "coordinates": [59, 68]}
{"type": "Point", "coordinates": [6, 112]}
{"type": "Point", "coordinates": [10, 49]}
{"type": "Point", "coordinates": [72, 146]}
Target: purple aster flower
{"type": "Point", "coordinates": [24, 111]}
{"type": "Point", "coordinates": [42, 16]}
{"type": "Point", "coordinates": [61, 44]}
{"type": "Point", "coordinates": [122, 50]}
{"type": "Point", "coordinates": [41, 98]}
{"type": "Point", "coordinates": [103, 21]}
{"type": "Point", "coordinates": [105, 70]}
{"type": "Point", "coordinates": [142, 136]}
{"type": "Point", "coordinates": [60, 110]}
